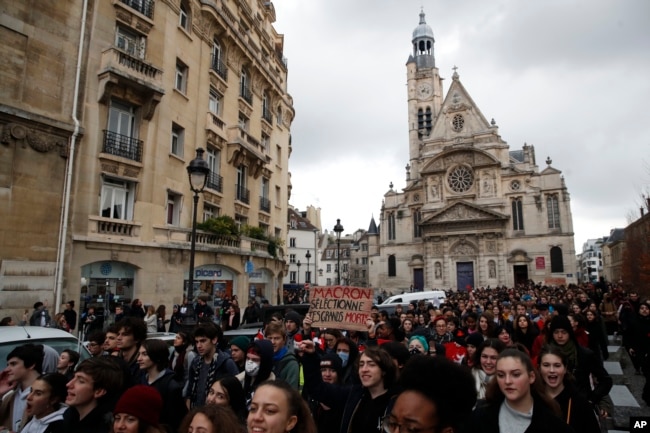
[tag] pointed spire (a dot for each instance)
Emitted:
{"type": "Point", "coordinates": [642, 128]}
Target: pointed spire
{"type": "Point", "coordinates": [372, 229]}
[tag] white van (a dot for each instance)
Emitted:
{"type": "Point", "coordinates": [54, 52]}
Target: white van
{"type": "Point", "coordinates": [436, 297]}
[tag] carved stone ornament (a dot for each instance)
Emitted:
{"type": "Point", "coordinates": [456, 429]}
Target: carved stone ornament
{"type": "Point", "coordinates": [460, 212]}
{"type": "Point", "coordinates": [37, 140]}
{"type": "Point", "coordinates": [463, 249]}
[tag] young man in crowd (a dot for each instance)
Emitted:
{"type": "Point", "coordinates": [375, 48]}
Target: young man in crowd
{"type": "Point", "coordinates": [96, 343]}
{"type": "Point", "coordinates": [92, 393]}
{"type": "Point", "coordinates": [285, 364]}
{"type": "Point", "coordinates": [70, 315]}
{"type": "Point", "coordinates": [110, 342]}
{"type": "Point", "coordinates": [132, 332]}
{"type": "Point", "coordinates": [24, 365]}
{"type": "Point", "coordinates": [211, 365]}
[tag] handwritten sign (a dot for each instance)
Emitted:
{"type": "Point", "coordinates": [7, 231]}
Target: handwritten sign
{"type": "Point", "coordinates": [340, 307]}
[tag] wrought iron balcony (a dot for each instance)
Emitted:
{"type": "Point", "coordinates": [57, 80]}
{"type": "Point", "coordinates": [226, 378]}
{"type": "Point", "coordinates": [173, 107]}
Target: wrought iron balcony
{"type": "Point", "coordinates": [122, 145]}
{"type": "Point", "coordinates": [242, 194]}
{"type": "Point", "coordinates": [145, 7]}
{"type": "Point", "coordinates": [219, 67]}
{"type": "Point", "coordinates": [245, 92]}
{"type": "Point", "coordinates": [265, 204]}
{"type": "Point", "coordinates": [215, 182]}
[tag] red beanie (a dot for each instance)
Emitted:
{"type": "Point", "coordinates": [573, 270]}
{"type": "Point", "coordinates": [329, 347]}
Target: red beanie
{"type": "Point", "coordinates": [141, 401]}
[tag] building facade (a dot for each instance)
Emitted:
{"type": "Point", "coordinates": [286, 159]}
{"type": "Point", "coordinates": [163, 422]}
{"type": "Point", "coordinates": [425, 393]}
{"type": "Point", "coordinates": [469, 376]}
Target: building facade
{"type": "Point", "coordinates": [473, 212]}
{"type": "Point", "coordinates": [303, 248]}
{"type": "Point", "coordinates": [591, 260]}
{"type": "Point", "coordinates": [160, 79]}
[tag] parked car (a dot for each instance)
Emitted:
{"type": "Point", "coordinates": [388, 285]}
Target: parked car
{"type": "Point", "coordinates": [58, 339]}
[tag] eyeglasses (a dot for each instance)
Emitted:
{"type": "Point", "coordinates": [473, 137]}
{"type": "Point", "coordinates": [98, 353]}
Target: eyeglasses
{"type": "Point", "coordinates": [389, 425]}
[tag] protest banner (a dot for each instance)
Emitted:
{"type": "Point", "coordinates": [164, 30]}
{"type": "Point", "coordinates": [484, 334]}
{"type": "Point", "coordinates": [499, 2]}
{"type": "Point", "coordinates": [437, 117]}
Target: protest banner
{"type": "Point", "coordinates": [340, 307]}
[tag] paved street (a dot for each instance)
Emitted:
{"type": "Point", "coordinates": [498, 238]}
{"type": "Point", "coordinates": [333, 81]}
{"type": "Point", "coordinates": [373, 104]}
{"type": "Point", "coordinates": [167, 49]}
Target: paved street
{"type": "Point", "coordinates": [626, 392]}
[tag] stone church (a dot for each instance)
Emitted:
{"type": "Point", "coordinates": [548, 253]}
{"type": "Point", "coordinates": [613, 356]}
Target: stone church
{"type": "Point", "coordinates": [473, 213]}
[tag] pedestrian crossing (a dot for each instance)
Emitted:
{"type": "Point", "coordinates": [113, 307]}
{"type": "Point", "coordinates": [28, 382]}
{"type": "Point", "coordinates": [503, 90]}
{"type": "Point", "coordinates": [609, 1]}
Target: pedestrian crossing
{"type": "Point", "coordinates": [625, 392]}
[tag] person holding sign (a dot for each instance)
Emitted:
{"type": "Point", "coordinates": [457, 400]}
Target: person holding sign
{"type": "Point", "coordinates": [363, 405]}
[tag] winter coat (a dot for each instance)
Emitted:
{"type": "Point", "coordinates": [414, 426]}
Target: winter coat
{"type": "Point", "coordinates": [485, 419]}
{"type": "Point", "coordinates": [174, 408]}
{"type": "Point", "coordinates": [52, 423]}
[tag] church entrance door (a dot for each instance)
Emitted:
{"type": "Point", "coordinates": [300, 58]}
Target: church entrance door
{"type": "Point", "coordinates": [464, 275]}
{"type": "Point", "coordinates": [521, 274]}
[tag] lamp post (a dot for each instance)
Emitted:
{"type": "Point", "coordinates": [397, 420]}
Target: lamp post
{"type": "Point", "coordinates": [298, 264]}
{"type": "Point", "coordinates": [198, 171]}
{"type": "Point", "coordinates": [338, 229]}
{"type": "Point", "coordinates": [308, 276]}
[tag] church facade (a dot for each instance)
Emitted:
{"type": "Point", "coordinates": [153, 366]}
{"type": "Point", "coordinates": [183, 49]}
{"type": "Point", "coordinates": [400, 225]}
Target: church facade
{"type": "Point", "coordinates": [473, 213]}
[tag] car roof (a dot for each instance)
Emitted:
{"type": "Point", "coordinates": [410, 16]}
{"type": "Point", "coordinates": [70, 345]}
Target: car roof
{"type": "Point", "coordinates": [17, 333]}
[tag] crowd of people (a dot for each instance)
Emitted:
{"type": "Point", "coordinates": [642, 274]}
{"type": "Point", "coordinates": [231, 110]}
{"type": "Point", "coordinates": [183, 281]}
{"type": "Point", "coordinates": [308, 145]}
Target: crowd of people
{"type": "Point", "coordinates": [519, 360]}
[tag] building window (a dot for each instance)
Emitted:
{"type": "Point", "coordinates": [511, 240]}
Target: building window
{"type": "Point", "coordinates": [178, 140]}
{"type": "Point", "coordinates": [292, 276]}
{"type": "Point", "coordinates": [279, 116]}
{"type": "Point", "coordinates": [553, 209]}
{"type": "Point", "coordinates": [278, 194]}
{"type": "Point", "coordinates": [364, 260]}
{"type": "Point", "coordinates": [184, 17]}
{"type": "Point", "coordinates": [215, 102]}
{"type": "Point", "coordinates": [173, 208]}
{"type": "Point", "coordinates": [264, 142]}
{"type": "Point", "coordinates": [517, 214]}
{"type": "Point", "coordinates": [266, 109]}
{"type": "Point", "coordinates": [329, 282]}
{"type": "Point", "coordinates": [180, 83]}
{"type": "Point", "coordinates": [329, 267]}
{"type": "Point", "coordinates": [241, 186]}
{"type": "Point", "coordinates": [145, 7]}
{"type": "Point", "coordinates": [328, 254]}
{"type": "Point", "coordinates": [117, 199]}
{"type": "Point", "coordinates": [121, 132]}
{"type": "Point", "coordinates": [391, 226]}
{"type": "Point", "coordinates": [292, 258]}
{"type": "Point", "coordinates": [557, 261]}
{"type": "Point", "coordinates": [244, 87]}
{"type": "Point", "coordinates": [417, 231]}
{"type": "Point", "coordinates": [292, 242]}
{"type": "Point", "coordinates": [265, 203]}
{"type": "Point", "coordinates": [130, 42]}
{"type": "Point", "coordinates": [392, 266]}
{"type": "Point", "coordinates": [243, 121]}
{"type": "Point", "coordinates": [210, 211]}
{"type": "Point", "coordinates": [213, 158]}
{"type": "Point", "coordinates": [218, 64]}
{"type": "Point", "coordinates": [364, 247]}
{"type": "Point", "coordinates": [345, 267]}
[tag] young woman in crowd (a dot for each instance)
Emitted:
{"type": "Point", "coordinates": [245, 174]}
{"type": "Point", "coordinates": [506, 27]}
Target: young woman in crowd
{"type": "Point", "coordinates": [597, 334]}
{"type": "Point", "coordinates": [558, 384]}
{"type": "Point", "coordinates": [67, 362]}
{"type": "Point", "coordinates": [418, 345]}
{"type": "Point", "coordinates": [161, 318]}
{"type": "Point", "coordinates": [330, 336]}
{"type": "Point", "coordinates": [45, 404]}
{"type": "Point", "coordinates": [439, 333]}
{"type": "Point", "coordinates": [181, 357]}
{"type": "Point", "coordinates": [258, 367]}
{"type": "Point", "coordinates": [486, 325]}
{"type": "Point", "coordinates": [485, 360]}
{"type": "Point", "coordinates": [278, 408]}
{"type": "Point", "coordinates": [327, 419]}
{"type": "Point", "coordinates": [151, 320]}
{"type": "Point", "coordinates": [348, 351]}
{"type": "Point", "coordinates": [515, 401]}
{"type": "Point", "coordinates": [504, 334]}
{"type": "Point", "coordinates": [364, 405]}
{"type": "Point", "coordinates": [525, 331]}
{"type": "Point", "coordinates": [407, 327]}
{"type": "Point", "coordinates": [472, 343]}
{"type": "Point", "coordinates": [211, 418]}
{"type": "Point", "coordinates": [228, 391]}
{"type": "Point", "coordinates": [138, 411]}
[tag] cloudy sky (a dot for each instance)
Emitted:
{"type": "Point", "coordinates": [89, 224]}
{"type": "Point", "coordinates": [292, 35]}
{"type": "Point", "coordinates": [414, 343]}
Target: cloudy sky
{"type": "Point", "coordinates": [570, 77]}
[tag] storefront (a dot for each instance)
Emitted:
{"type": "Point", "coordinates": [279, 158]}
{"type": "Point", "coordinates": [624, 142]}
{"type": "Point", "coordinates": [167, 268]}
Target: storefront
{"type": "Point", "coordinates": [104, 285]}
{"type": "Point", "coordinates": [215, 281]}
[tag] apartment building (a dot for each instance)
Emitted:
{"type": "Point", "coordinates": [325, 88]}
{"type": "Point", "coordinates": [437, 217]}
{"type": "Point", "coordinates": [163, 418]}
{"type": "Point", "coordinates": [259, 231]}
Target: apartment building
{"type": "Point", "coordinates": [107, 215]}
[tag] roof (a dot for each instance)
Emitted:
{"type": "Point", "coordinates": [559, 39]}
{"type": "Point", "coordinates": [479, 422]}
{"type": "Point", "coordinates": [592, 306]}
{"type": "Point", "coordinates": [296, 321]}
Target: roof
{"type": "Point", "coordinates": [517, 155]}
{"type": "Point", "coordinates": [302, 223]}
{"type": "Point", "coordinates": [372, 229]}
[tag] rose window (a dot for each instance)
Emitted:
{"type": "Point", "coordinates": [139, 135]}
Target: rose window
{"type": "Point", "coordinates": [461, 179]}
{"type": "Point", "coordinates": [458, 122]}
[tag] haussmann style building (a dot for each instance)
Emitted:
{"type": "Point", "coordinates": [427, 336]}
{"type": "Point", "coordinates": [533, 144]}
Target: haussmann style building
{"type": "Point", "coordinates": [473, 212]}
{"type": "Point", "coordinates": [107, 104]}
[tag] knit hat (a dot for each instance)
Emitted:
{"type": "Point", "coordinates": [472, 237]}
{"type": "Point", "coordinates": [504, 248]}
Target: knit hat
{"type": "Point", "coordinates": [141, 401]}
{"type": "Point", "coordinates": [242, 342]}
{"type": "Point", "coordinates": [294, 317]}
{"type": "Point", "coordinates": [330, 360]}
{"type": "Point", "coordinates": [562, 322]}
{"type": "Point", "coordinates": [474, 339]}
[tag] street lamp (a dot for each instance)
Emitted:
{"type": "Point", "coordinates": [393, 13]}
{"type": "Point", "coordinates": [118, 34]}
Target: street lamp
{"type": "Point", "coordinates": [338, 229]}
{"type": "Point", "coordinates": [198, 171]}
{"type": "Point", "coordinates": [308, 276]}
{"type": "Point", "coordinates": [298, 264]}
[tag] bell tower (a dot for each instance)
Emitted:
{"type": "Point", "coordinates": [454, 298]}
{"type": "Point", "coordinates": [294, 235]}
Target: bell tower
{"type": "Point", "coordinates": [424, 91]}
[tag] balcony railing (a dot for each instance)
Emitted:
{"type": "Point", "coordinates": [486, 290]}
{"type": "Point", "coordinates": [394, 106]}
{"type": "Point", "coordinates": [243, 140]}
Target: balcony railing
{"type": "Point", "coordinates": [265, 204]}
{"type": "Point", "coordinates": [145, 7]}
{"type": "Point", "coordinates": [215, 181]}
{"type": "Point", "coordinates": [214, 119]}
{"type": "Point", "coordinates": [245, 92]}
{"type": "Point", "coordinates": [122, 145]}
{"type": "Point", "coordinates": [242, 194]}
{"type": "Point", "coordinates": [219, 67]}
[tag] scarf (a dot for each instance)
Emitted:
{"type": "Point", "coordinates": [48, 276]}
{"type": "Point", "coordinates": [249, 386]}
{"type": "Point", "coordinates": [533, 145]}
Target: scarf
{"type": "Point", "coordinates": [571, 352]}
{"type": "Point", "coordinates": [212, 371]}
{"type": "Point", "coordinates": [280, 353]}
